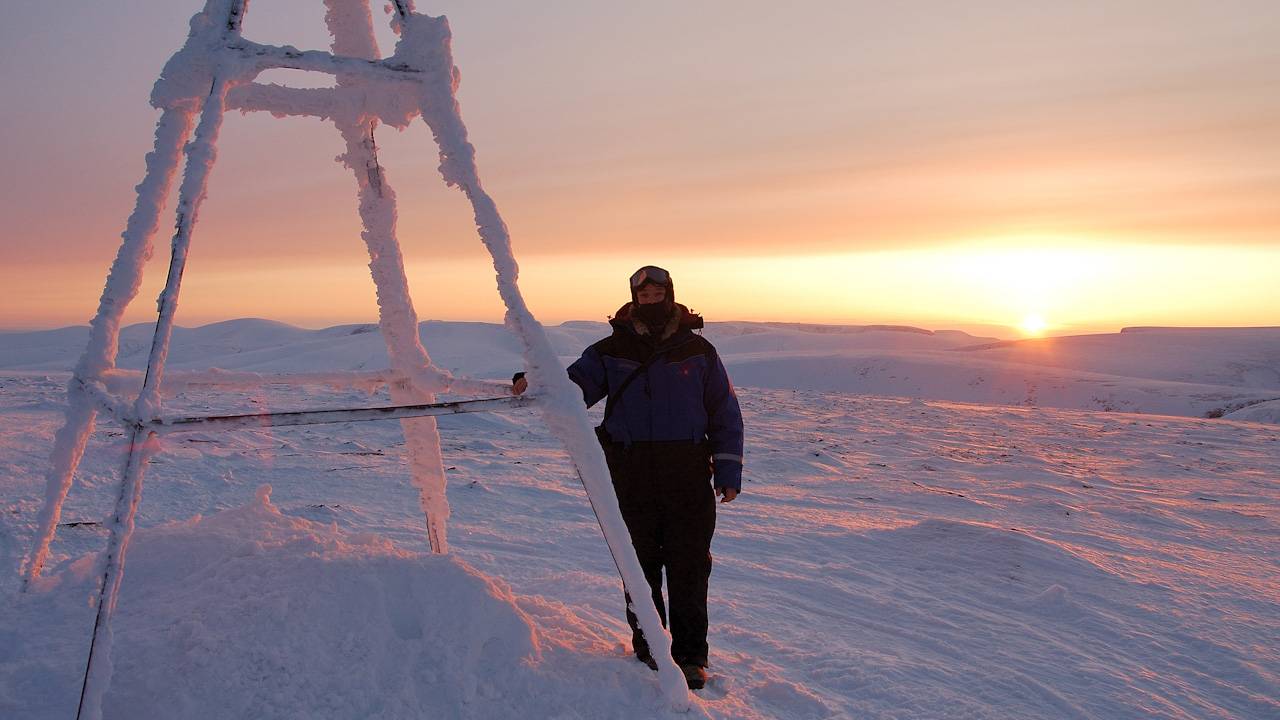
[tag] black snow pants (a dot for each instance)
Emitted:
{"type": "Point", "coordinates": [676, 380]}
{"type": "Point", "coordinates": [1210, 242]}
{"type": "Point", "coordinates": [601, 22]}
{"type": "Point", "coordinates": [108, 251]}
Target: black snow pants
{"type": "Point", "coordinates": [664, 492]}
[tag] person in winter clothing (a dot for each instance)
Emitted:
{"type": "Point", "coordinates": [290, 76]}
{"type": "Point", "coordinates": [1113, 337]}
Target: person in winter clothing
{"type": "Point", "coordinates": [673, 436]}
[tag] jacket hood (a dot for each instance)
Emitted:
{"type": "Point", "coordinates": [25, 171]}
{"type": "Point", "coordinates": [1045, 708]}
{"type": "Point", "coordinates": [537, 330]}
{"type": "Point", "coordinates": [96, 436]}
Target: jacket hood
{"type": "Point", "coordinates": [681, 319]}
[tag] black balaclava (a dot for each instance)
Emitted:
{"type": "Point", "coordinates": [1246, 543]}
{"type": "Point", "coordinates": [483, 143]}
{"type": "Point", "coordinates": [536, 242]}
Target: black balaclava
{"type": "Point", "coordinates": [654, 315]}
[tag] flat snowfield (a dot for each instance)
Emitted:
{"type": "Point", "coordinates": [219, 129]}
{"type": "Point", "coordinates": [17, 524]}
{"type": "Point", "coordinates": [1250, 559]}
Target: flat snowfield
{"type": "Point", "coordinates": [1196, 372]}
{"type": "Point", "coordinates": [889, 558]}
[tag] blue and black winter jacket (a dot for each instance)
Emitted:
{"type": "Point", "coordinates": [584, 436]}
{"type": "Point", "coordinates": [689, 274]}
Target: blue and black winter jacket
{"type": "Point", "coordinates": [684, 394]}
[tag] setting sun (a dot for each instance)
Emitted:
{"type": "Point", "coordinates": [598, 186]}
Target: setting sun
{"type": "Point", "coordinates": [1033, 325]}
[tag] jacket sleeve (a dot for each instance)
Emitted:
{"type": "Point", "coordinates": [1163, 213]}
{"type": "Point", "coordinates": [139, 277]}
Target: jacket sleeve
{"type": "Point", "coordinates": [724, 426]}
{"type": "Point", "coordinates": [588, 373]}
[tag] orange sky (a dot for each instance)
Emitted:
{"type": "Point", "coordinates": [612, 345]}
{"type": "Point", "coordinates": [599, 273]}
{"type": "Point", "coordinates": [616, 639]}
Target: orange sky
{"type": "Point", "coordinates": [1097, 166]}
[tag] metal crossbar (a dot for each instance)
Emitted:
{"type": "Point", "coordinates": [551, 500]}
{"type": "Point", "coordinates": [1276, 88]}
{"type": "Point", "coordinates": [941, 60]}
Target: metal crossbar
{"type": "Point", "coordinates": [165, 426]}
{"type": "Point", "coordinates": [271, 57]}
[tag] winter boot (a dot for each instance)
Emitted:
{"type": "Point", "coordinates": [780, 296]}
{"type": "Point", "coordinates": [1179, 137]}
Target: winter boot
{"type": "Point", "coordinates": [695, 675]}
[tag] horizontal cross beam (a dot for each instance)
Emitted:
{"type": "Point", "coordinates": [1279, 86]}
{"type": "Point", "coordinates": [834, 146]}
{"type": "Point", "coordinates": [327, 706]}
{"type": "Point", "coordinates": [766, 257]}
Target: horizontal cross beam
{"type": "Point", "coordinates": [267, 57]}
{"type": "Point", "coordinates": [315, 102]}
{"type": "Point", "coordinates": [324, 417]}
{"type": "Point", "coordinates": [324, 103]}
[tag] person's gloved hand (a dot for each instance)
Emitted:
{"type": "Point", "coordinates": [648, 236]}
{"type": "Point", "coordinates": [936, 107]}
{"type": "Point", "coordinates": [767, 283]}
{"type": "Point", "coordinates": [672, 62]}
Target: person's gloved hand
{"type": "Point", "coordinates": [519, 384]}
{"type": "Point", "coordinates": [726, 478]}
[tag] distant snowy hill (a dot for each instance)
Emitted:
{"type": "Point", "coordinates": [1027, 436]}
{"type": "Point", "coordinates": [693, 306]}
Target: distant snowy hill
{"type": "Point", "coordinates": [1172, 371]}
{"type": "Point", "coordinates": [1240, 357]}
{"type": "Point", "coordinates": [1267, 412]}
{"type": "Point", "coordinates": [475, 348]}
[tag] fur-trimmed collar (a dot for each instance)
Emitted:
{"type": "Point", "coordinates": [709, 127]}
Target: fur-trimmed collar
{"type": "Point", "coordinates": [681, 318]}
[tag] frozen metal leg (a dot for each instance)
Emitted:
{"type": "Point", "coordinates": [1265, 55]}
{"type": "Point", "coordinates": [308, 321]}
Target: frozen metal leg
{"type": "Point", "coordinates": [97, 676]}
{"type": "Point", "coordinates": [352, 29]}
{"type": "Point", "coordinates": [200, 158]}
{"type": "Point", "coordinates": [104, 331]}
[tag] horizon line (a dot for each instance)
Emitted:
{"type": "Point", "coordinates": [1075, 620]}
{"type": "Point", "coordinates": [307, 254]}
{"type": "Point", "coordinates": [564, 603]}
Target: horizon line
{"type": "Point", "coordinates": [942, 327]}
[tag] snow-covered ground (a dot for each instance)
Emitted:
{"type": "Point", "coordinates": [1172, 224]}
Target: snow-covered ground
{"type": "Point", "coordinates": [1193, 372]}
{"type": "Point", "coordinates": [933, 526]}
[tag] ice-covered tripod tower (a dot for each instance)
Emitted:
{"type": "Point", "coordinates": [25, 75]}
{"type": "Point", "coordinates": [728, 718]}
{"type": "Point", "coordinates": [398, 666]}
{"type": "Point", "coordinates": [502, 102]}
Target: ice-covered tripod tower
{"type": "Point", "coordinates": [213, 72]}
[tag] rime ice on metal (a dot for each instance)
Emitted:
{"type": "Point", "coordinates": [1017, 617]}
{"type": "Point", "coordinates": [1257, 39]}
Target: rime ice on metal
{"type": "Point", "coordinates": [215, 71]}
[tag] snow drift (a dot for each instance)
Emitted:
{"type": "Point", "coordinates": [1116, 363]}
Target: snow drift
{"type": "Point", "coordinates": [251, 612]}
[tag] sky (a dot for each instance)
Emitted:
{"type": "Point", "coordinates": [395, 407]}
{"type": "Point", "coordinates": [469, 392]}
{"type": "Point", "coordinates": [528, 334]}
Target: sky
{"type": "Point", "coordinates": [1016, 167]}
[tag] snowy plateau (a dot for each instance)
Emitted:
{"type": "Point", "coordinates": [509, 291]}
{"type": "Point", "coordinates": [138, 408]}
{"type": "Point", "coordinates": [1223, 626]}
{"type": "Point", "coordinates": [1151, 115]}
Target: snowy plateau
{"type": "Point", "coordinates": [933, 525]}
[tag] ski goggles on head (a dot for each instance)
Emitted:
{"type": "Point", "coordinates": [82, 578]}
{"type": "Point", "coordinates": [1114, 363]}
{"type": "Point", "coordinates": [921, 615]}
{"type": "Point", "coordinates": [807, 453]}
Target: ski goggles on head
{"type": "Point", "coordinates": [652, 274]}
